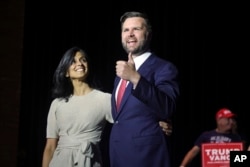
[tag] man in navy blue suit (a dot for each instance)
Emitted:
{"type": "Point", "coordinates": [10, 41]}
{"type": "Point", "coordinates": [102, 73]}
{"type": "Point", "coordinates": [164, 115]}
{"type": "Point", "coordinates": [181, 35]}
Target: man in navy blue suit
{"type": "Point", "coordinates": [150, 96]}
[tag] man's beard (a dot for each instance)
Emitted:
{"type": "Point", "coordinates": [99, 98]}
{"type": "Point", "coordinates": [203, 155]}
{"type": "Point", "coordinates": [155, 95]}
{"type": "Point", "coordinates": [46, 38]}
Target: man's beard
{"type": "Point", "coordinates": [136, 51]}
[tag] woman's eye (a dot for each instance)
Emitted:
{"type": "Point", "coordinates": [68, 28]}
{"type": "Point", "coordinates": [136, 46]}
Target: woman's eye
{"type": "Point", "coordinates": [83, 60]}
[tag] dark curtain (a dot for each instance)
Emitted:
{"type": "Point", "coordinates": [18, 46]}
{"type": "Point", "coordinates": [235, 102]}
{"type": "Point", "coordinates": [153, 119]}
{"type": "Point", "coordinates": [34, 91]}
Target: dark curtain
{"type": "Point", "coordinates": [205, 43]}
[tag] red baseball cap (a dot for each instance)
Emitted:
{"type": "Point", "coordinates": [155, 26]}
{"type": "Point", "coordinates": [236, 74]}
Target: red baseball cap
{"type": "Point", "coordinates": [224, 113]}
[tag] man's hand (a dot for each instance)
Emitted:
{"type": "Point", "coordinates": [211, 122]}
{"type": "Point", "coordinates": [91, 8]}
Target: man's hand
{"type": "Point", "coordinates": [127, 71]}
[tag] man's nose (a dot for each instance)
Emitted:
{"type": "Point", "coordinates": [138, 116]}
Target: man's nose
{"type": "Point", "coordinates": [131, 33]}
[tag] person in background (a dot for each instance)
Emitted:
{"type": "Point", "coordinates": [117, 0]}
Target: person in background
{"type": "Point", "coordinates": [75, 122]}
{"type": "Point", "coordinates": [225, 132]}
{"type": "Point", "coordinates": [151, 93]}
{"type": "Point", "coordinates": [77, 115]}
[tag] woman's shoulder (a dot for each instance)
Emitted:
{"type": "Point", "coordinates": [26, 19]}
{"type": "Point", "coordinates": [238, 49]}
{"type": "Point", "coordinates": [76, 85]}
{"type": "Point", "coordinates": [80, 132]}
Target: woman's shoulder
{"type": "Point", "coordinates": [101, 93]}
{"type": "Point", "coordinates": [57, 101]}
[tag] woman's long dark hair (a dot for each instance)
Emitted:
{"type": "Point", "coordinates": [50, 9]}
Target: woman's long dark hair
{"type": "Point", "coordinates": [63, 87]}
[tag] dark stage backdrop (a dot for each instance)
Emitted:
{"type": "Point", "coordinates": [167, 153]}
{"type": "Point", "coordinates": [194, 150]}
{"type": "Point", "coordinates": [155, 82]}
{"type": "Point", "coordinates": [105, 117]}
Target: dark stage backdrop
{"type": "Point", "coordinates": [205, 42]}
